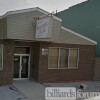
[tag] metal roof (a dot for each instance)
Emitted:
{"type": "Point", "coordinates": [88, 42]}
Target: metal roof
{"type": "Point", "coordinates": [84, 19]}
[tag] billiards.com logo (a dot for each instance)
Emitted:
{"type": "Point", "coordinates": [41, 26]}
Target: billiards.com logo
{"type": "Point", "coordinates": [68, 93]}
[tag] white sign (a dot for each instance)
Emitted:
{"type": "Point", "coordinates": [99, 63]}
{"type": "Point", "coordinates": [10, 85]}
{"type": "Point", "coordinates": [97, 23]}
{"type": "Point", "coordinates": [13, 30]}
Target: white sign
{"type": "Point", "coordinates": [60, 93]}
{"type": "Point", "coordinates": [69, 93]}
{"type": "Point", "coordinates": [42, 28]}
{"type": "Point", "coordinates": [44, 51]}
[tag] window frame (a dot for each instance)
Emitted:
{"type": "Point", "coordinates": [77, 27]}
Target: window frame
{"type": "Point", "coordinates": [48, 57]}
{"type": "Point", "coordinates": [59, 48]}
{"type": "Point", "coordinates": [2, 56]}
{"type": "Point", "coordinates": [77, 59]}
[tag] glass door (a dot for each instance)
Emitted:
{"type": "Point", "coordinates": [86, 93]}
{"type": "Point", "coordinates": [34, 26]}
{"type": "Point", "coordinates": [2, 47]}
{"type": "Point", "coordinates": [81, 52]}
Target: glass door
{"type": "Point", "coordinates": [25, 63]}
{"type": "Point", "coordinates": [21, 66]}
{"type": "Point", "coordinates": [16, 66]}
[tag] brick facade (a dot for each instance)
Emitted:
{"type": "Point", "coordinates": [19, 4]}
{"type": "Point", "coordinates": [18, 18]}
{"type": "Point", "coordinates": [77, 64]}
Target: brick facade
{"type": "Point", "coordinates": [39, 63]}
{"type": "Point", "coordinates": [97, 69]}
{"type": "Point", "coordinates": [6, 75]}
{"type": "Point", "coordinates": [34, 57]}
{"type": "Point", "coordinates": [85, 69]}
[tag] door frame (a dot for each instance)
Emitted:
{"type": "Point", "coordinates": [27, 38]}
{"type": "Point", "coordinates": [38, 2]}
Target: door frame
{"type": "Point", "coordinates": [20, 55]}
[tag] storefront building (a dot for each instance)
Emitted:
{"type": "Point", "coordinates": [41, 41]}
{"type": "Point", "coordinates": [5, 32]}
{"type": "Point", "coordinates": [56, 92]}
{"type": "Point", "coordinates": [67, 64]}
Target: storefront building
{"type": "Point", "coordinates": [85, 22]}
{"type": "Point", "coordinates": [34, 45]}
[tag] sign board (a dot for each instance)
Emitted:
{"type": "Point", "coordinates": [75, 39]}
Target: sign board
{"type": "Point", "coordinates": [42, 28]}
{"type": "Point", "coordinates": [44, 51]}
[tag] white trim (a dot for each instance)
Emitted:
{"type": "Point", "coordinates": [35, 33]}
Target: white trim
{"type": "Point", "coordinates": [31, 9]}
{"type": "Point", "coordinates": [25, 10]}
{"type": "Point", "coordinates": [86, 38]}
{"type": "Point", "coordinates": [29, 68]}
{"type": "Point", "coordinates": [20, 67]}
{"type": "Point", "coordinates": [20, 55]}
{"type": "Point", "coordinates": [16, 54]}
{"type": "Point", "coordinates": [77, 58]}
{"type": "Point", "coordinates": [20, 78]}
{"type": "Point", "coordinates": [57, 18]}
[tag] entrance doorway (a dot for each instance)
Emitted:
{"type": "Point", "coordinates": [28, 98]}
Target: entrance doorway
{"type": "Point", "coordinates": [21, 66]}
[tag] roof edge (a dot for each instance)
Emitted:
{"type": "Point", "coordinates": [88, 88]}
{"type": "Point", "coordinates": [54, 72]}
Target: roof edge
{"type": "Point", "coordinates": [31, 9]}
{"type": "Point", "coordinates": [24, 10]}
{"type": "Point", "coordinates": [57, 18]}
{"type": "Point", "coordinates": [86, 38]}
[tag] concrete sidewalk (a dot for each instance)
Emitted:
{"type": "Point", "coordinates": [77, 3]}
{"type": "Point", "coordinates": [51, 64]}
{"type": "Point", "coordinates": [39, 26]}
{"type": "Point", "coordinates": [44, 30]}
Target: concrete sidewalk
{"type": "Point", "coordinates": [94, 98]}
{"type": "Point", "coordinates": [31, 89]}
{"type": "Point", "coordinates": [11, 93]}
{"type": "Point", "coordinates": [35, 91]}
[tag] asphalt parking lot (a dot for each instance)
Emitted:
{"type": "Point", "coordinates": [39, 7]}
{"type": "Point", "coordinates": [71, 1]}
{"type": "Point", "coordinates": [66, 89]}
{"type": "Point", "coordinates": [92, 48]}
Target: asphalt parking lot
{"type": "Point", "coordinates": [31, 90]}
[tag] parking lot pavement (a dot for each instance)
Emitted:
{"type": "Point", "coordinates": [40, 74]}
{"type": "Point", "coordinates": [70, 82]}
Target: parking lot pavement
{"type": "Point", "coordinates": [94, 98]}
{"type": "Point", "coordinates": [11, 93]}
{"type": "Point", "coordinates": [92, 86]}
{"type": "Point", "coordinates": [31, 90]}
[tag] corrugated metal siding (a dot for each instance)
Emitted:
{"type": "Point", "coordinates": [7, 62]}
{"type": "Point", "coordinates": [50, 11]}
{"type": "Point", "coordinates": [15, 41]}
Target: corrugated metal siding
{"type": "Point", "coordinates": [84, 19]}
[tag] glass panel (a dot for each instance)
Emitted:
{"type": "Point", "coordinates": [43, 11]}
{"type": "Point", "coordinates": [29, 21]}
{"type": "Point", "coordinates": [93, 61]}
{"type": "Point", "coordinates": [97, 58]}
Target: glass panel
{"type": "Point", "coordinates": [24, 72]}
{"type": "Point", "coordinates": [16, 66]}
{"type": "Point", "coordinates": [73, 58]}
{"type": "Point", "coordinates": [64, 58]}
{"type": "Point", "coordinates": [53, 58]}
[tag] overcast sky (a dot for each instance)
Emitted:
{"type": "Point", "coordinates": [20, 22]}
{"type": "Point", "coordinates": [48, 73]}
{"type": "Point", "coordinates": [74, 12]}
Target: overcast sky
{"type": "Point", "coordinates": [48, 5]}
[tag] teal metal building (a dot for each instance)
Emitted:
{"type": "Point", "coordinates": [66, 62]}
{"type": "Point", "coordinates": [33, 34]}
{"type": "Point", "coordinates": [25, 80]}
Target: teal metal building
{"type": "Point", "coordinates": [84, 19]}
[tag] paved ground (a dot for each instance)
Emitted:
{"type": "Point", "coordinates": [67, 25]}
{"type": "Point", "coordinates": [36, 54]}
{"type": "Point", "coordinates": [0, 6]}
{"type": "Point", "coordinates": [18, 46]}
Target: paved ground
{"type": "Point", "coordinates": [31, 90]}
{"type": "Point", "coordinates": [36, 91]}
{"type": "Point", "coordinates": [93, 86]}
{"type": "Point", "coordinates": [94, 98]}
{"type": "Point", "coordinates": [11, 93]}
